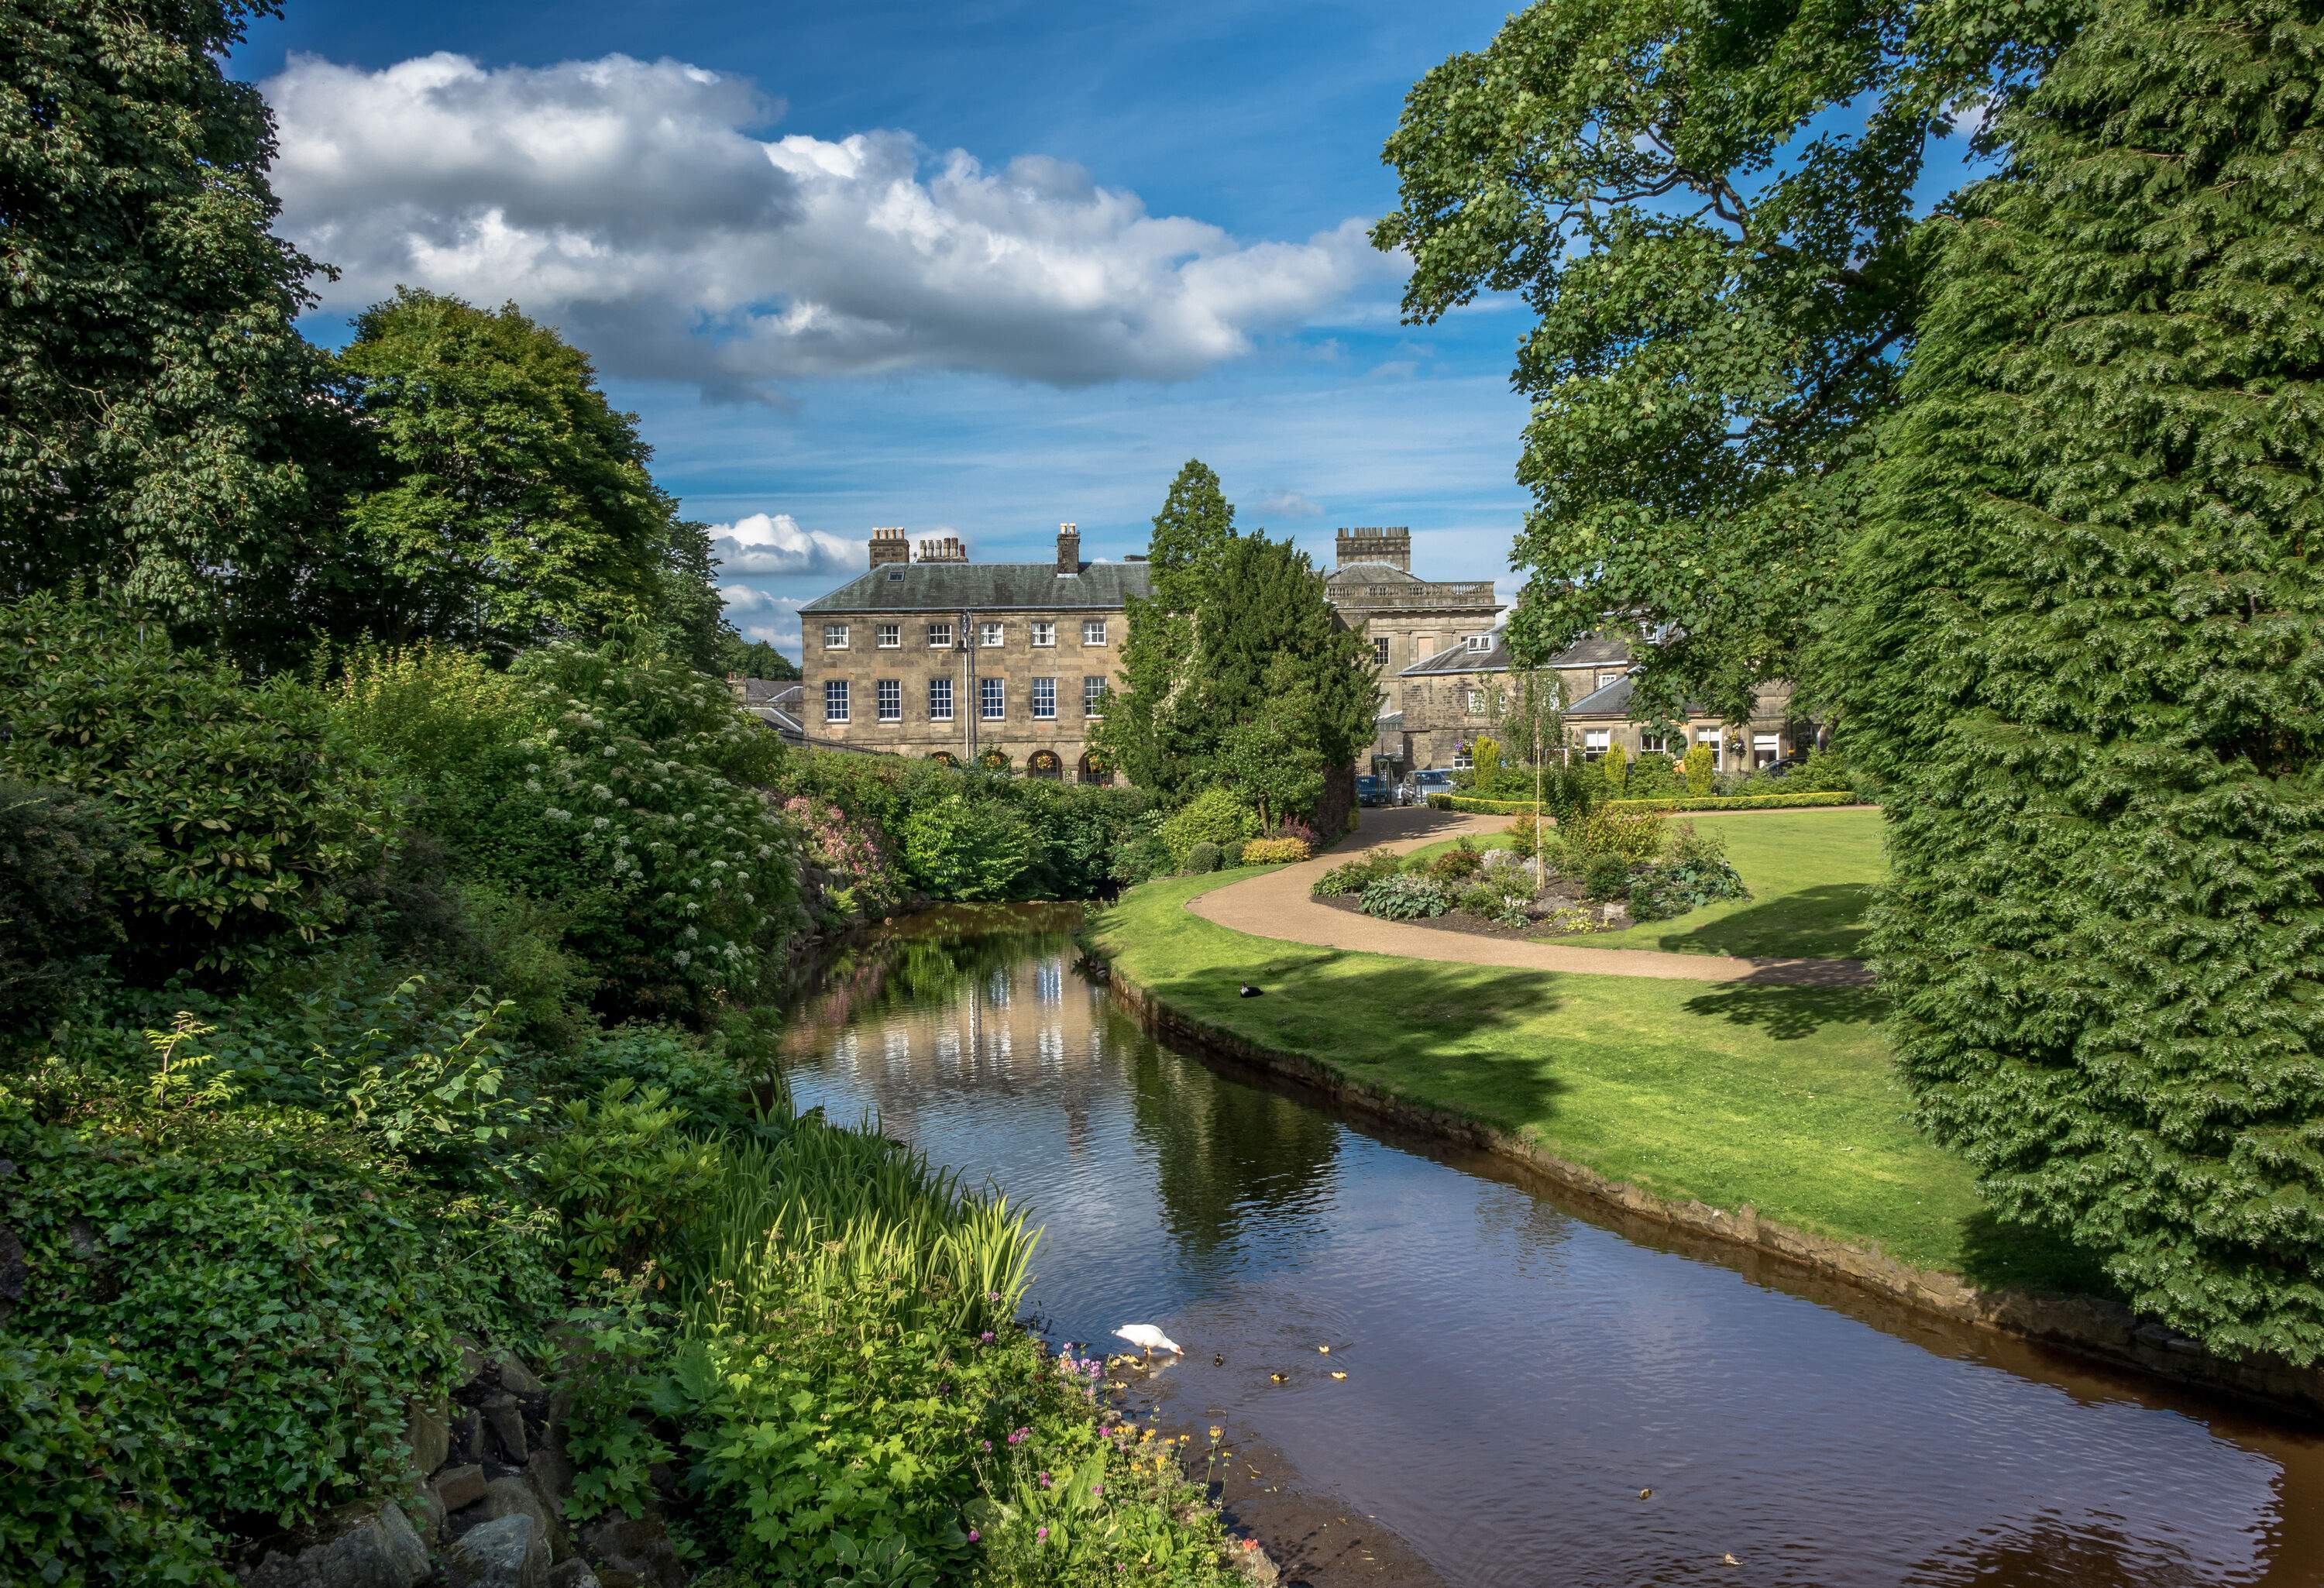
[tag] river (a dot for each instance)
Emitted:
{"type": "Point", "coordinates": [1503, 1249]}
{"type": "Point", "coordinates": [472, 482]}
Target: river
{"type": "Point", "coordinates": [1517, 1369]}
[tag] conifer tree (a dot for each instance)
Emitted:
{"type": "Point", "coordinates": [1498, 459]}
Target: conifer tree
{"type": "Point", "coordinates": [2089, 650]}
{"type": "Point", "coordinates": [1150, 730]}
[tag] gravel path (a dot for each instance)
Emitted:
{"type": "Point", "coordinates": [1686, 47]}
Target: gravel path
{"type": "Point", "coordinates": [1276, 904]}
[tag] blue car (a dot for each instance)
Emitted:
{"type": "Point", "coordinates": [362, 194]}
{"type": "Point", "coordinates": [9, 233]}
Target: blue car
{"type": "Point", "coordinates": [1372, 789]}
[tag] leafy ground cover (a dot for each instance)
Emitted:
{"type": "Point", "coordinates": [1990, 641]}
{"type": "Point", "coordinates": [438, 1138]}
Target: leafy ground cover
{"type": "Point", "coordinates": [1812, 876]}
{"type": "Point", "coordinates": [1785, 1098]}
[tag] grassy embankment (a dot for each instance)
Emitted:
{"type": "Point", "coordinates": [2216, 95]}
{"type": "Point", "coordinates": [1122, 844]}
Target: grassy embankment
{"type": "Point", "coordinates": [1782, 1098]}
{"type": "Point", "coordinates": [1811, 875]}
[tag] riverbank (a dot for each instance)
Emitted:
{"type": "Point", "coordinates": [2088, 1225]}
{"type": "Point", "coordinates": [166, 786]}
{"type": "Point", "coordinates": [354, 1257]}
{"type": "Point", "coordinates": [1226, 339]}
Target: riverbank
{"type": "Point", "coordinates": [1763, 1114]}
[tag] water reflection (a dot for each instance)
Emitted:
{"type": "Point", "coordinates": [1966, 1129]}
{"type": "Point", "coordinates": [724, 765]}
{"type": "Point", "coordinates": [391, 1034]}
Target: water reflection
{"type": "Point", "coordinates": [1517, 1373]}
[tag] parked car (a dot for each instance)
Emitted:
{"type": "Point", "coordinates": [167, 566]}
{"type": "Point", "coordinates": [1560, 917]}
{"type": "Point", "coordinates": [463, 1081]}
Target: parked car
{"type": "Point", "coordinates": [1786, 767]}
{"type": "Point", "coordinates": [1373, 789]}
{"type": "Point", "coordinates": [1431, 779]}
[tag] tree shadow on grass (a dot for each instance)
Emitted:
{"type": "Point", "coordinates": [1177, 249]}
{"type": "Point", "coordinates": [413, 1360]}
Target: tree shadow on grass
{"type": "Point", "coordinates": [1447, 1034]}
{"type": "Point", "coordinates": [1999, 1255]}
{"type": "Point", "coordinates": [1824, 922]}
{"type": "Point", "coordinates": [1788, 1011]}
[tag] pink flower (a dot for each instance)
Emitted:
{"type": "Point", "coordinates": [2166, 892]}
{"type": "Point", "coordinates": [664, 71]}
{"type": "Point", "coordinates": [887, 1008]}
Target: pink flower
{"type": "Point", "coordinates": [1045, 1480]}
{"type": "Point", "coordinates": [1040, 1533]}
{"type": "Point", "coordinates": [984, 1443]}
{"type": "Point", "coordinates": [1097, 1487]}
{"type": "Point", "coordinates": [972, 1536]}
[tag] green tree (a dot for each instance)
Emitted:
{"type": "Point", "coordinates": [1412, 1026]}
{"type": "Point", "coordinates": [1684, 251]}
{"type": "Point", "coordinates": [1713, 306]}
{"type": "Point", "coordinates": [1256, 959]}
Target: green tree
{"type": "Point", "coordinates": [1529, 718]}
{"type": "Point", "coordinates": [514, 507]}
{"type": "Point", "coordinates": [1151, 729]}
{"type": "Point", "coordinates": [753, 659]}
{"type": "Point", "coordinates": [161, 426]}
{"type": "Point", "coordinates": [1273, 756]}
{"type": "Point", "coordinates": [1723, 276]}
{"type": "Point", "coordinates": [2087, 638]}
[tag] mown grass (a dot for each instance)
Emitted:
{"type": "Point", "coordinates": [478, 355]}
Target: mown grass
{"type": "Point", "coordinates": [1782, 1098]}
{"type": "Point", "coordinates": [1811, 873]}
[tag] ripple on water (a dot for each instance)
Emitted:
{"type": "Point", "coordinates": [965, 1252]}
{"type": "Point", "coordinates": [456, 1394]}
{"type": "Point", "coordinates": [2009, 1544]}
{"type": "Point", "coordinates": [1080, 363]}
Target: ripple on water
{"type": "Point", "coordinates": [1517, 1373]}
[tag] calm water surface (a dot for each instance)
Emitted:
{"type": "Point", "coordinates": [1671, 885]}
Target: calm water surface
{"type": "Point", "coordinates": [1518, 1370]}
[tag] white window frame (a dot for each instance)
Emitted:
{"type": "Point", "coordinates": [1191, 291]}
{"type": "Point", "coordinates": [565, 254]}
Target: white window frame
{"type": "Point", "coordinates": [834, 636]}
{"type": "Point", "coordinates": [1770, 745]}
{"type": "Point", "coordinates": [992, 700]}
{"type": "Point", "coordinates": [888, 636]}
{"type": "Point", "coordinates": [1717, 740]}
{"type": "Point", "coordinates": [1463, 760]}
{"type": "Point", "coordinates": [1093, 694]}
{"type": "Point", "coordinates": [1596, 743]}
{"type": "Point", "coordinates": [884, 691]}
{"type": "Point", "coordinates": [1479, 641]}
{"type": "Point", "coordinates": [1380, 650]}
{"type": "Point", "coordinates": [939, 701]}
{"type": "Point", "coordinates": [991, 635]}
{"type": "Point", "coordinates": [940, 636]}
{"type": "Point", "coordinates": [1045, 632]}
{"type": "Point", "coordinates": [1476, 702]}
{"type": "Point", "coordinates": [1605, 676]}
{"type": "Point", "coordinates": [834, 700]}
{"type": "Point", "coordinates": [1653, 744]}
{"type": "Point", "coordinates": [1050, 686]}
{"type": "Point", "coordinates": [1093, 631]}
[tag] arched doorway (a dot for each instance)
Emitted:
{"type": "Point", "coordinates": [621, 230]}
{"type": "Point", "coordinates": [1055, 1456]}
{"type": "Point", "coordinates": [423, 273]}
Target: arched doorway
{"type": "Point", "coordinates": [1095, 769]}
{"type": "Point", "coordinates": [993, 760]}
{"type": "Point", "coordinates": [946, 757]}
{"type": "Point", "coordinates": [1043, 764]}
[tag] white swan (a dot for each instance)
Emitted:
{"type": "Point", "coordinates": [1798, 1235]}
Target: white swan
{"type": "Point", "coordinates": [1148, 1338]}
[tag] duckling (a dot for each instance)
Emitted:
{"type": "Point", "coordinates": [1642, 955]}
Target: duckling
{"type": "Point", "coordinates": [1280, 1378]}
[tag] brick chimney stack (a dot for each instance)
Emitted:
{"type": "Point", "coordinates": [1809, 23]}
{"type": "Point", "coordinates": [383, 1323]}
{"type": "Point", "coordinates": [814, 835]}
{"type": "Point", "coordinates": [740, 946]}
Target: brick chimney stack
{"type": "Point", "coordinates": [888, 546]}
{"type": "Point", "coordinates": [943, 548]}
{"type": "Point", "coordinates": [1069, 551]}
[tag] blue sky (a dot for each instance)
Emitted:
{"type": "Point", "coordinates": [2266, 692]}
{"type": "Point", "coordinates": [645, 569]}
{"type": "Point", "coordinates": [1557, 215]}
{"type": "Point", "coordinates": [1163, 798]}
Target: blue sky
{"type": "Point", "coordinates": [1147, 247]}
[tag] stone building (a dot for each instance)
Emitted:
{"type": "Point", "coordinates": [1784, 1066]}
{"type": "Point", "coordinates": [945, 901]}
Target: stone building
{"type": "Point", "coordinates": [1455, 697]}
{"type": "Point", "coordinates": [1407, 618]}
{"type": "Point", "coordinates": [937, 656]}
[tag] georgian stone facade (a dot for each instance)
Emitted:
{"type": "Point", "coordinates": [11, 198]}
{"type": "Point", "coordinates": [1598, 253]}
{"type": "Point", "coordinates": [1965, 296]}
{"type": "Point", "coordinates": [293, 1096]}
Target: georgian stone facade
{"type": "Point", "coordinates": [1407, 619]}
{"type": "Point", "coordinates": [943, 657]}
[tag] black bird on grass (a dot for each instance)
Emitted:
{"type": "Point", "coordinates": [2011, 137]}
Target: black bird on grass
{"type": "Point", "coordinates": [1250, 991]}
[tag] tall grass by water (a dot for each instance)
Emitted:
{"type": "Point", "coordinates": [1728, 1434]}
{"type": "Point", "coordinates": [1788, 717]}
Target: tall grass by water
{"type": "Point", "coordinates": [821, 1211]}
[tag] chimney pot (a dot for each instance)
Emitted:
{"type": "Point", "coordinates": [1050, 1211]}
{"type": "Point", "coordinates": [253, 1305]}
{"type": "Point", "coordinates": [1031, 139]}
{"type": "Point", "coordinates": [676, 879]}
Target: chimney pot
{"type": "Point", "coordinates": [1069, 551]}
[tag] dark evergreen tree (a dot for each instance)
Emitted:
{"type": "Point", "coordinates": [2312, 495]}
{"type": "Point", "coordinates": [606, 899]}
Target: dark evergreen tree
{"type": "Point", "coordinates": [160, 417]}
{"type": "Point", "coordinates": [1266, 610]}
{"type": "Point", "coordinates": [2089, 652]}
{"type": "Point", "coordinates": [1152, 730]}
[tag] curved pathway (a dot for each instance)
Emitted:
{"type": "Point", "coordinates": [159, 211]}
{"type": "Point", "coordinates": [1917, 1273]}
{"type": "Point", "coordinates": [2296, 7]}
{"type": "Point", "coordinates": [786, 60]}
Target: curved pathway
{"type": "Point", "coordinates": [1277, 904]}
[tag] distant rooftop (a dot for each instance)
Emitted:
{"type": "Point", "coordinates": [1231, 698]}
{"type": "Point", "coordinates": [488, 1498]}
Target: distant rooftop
{"type": "Point", "coordinates": [987, 586]}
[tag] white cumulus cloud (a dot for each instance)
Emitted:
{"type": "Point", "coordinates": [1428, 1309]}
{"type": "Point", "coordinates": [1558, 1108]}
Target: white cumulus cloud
{"type": "Point", "coordinates": [629, 202]}
{"type": "Point", "coordinates": [1289, 505]}
{"type": "Point", "coordinates": [774, 543]}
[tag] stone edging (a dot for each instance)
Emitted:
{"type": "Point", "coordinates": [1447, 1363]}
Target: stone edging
{"type": "Point", "coordinates": [2087, 1325]}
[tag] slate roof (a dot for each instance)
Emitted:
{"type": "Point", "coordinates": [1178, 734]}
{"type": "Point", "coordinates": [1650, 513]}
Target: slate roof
{"type": "Point", "coordinates": [987, 586]}
{"type": "Point", "coordinates": [1613, 701]}
{"type": "Point", "coordinates": [1589, 651]}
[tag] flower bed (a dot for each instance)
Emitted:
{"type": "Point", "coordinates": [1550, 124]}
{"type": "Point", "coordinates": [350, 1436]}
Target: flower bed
{"type": "Point", "coordinates": [1475, 807]}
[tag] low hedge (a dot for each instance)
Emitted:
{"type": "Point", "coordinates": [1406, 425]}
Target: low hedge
{"type": "Point", "coordinates": [1474, 806]}
{"type": "Point", "coordinates": [1739, 801]}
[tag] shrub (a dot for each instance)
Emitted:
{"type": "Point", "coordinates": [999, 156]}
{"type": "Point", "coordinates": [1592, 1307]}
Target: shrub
{"type": "Point", "coordinates": [1526, 831]}
{"type": "Point", "coordinates": [241, 810]}
{"type": "Point", "coordinates": [1604, 875]}
{"type": "Point", "coordinates": [1699, 769]}
{"type": "Point", "coordinates": [1273, 850]}
{"type": "Point", "coordinates": [1353, 876]}
{"type": "Point", "coordinates": [1654, 775]}
{"type": "Point", "coordinates": [1205, 856]}
{"type": "Point", "coordinates": [281, 1290]}
{"type": "Point", "coordinates": [1291, 827]}
{"type": "Point", "coordinates": [1614, 766]}
{"type": "Point", "coordinates": [613, 784]}
{"type": "Point", "coordinates": [1145, 854]}
{"type": "Point", "coordinates": [1632, 836]}
{"type": "Point", "coordinates": [1485, 763]}
{"type": "Point", "coordinates": [1404, 897]}
{"type": "Point", "coordinates": [1216, 816]}
{"type": "Point", "coordinates": [851, 874]}
{"type": "Point", "coordinates": [1450, 865]}
{"type": "Point", "coordinates": [84, 1467]}
{"type": "Point", "coordinates": [966, 849]}
{"type": "Point", "coordinates": [1674, 887]}
{"type": "Point", "coordinates": [624, 1176]}
{"type": "Point", "coordinates": [57, 855]}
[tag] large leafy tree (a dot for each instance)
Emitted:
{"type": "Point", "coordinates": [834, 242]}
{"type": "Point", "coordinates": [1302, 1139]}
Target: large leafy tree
{"type": "Point", "coordinates": [513, 505]}
{"type": "Point", "coordinates": [1709, 209]}
{"type": "Point", "coordinates": [159, 426]}
{"type": "Point", "coordinates": [2090, 650]}
{"type": "Point", "coordinates": [1153, 730]}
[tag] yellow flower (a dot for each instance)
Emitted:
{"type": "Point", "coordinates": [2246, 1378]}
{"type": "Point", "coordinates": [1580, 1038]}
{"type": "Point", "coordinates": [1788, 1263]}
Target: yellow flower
{"type": "Point", "coordinates": [1216, 1430]}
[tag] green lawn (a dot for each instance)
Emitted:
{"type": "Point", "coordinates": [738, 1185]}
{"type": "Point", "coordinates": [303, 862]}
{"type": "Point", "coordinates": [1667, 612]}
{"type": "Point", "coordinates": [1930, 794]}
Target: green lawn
{"type": "Point", "coordinates": [1811, 875]}
{"type": "Point", "coordinates": [1781, 1097]}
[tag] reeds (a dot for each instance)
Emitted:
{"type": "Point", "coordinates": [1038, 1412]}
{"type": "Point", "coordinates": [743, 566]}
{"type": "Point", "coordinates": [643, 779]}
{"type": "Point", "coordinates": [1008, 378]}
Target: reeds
{"type": "Point", "coordinates": [825, 1212]}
